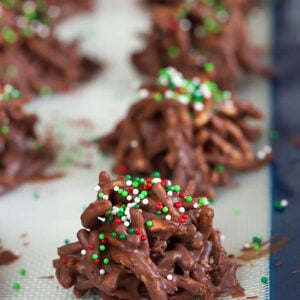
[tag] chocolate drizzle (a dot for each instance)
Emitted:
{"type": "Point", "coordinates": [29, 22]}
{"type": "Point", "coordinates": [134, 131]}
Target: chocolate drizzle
{"type": "Point", "coordinates": [146, 239]}
{"type": "Point", "coordinates": [188, 130]}
{"type": "Point", "coordinates": [199, 38]}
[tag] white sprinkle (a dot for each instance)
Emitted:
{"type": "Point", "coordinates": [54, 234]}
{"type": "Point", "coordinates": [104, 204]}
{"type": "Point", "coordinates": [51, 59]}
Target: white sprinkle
{"type": "Point", "coordinates": [101, 271]}
{"type": "Point", "coordinates": [22, 22]}
{"type": "Point", "coordinates": [163, 81]}
{"type": "Point", "coordinates": [156, 180]}
{"type": "Point", "coordinates": [97, 188]}
{"type": "Point", "coordinates": [181, 209]}
{"type": "Point", "coordinates": [168, 217]}
{"type": "Point", "coordinates": [170, 277]}
{"type": "Point", "coordinates": [196, 80]}
{"type": "Point", "coordinates": [183, 99]}
{"type": "Point", "coordinates": [185, 25]}
{"type": "Point", "coordinates": [135, 191]}
{"type": "Point", "coordinates": [222, 237]}
{"type": "Point", "coordinates": [129, 198]}
{"type": "Point", "coordinates": [267, 149]}
{"type": "Point", "coordinates": [137, 200]}
{"type": "Point", "coordinates": [284, 203]}
{"type": "Point", "coordinates": [247, 245]}
{"type": "Point", "coordinates": [211, 260]}
{"type": "Point", "coordinates": [116, 188]}
{"type": "Point", "coordinates": [43, 31]}
{"type": "Point", "coordinates": [199, 106]}
{"type": "Point", "coordinates": [195, 205]}
{"type": "Point", "coordinates": [126, 224]}
{"type": "Point", "coordinates": [261, 154]}
{"type": "Point", "coordinates": [206, 91]}
{"type": "Point", "coordinates": [145, 201]}
{"type": "Point", "coordinates": [54, 11]}
{"type": "Point", "coordinates": [123, 218]}
{"type": "Point", "coordinates": [170, 193]}
{"type": "Point", "coordinates": [134, 144]}
{"type": "Point", "coordinates": [8, 88]}
{"type": "Point", "coordinates": [83, 252]}
{"type": "Point", "coordinates": [101, 219]}
{"type": "Point", "coordinates": [143, 93]}
{"type": "Point", "coordinates": [128, 182]}
{"type": "Point", "coordinates": [115, 210]}
{"type": "Point", "coordinates": [169, 94]}
{"type": "Point", "coordinates": [105, 197]}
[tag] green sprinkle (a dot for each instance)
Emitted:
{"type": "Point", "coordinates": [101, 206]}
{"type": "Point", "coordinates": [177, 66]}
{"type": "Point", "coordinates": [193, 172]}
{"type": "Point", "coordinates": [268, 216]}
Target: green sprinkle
{"type": "Point", "coordinates": [257, 240]}
{"type": "Point", "coordinates": [4, 129]}
{"type": "Point", "coordinates": [264, 280]}
{"type": "Point", "coordinates": [274, 135]}
{"type": "Point", "coordinates": [156, 174]}
{"type": "Point", "coordinates": [101, 195]}
{"type": "Point", "coordinates": [130, 230]}
{"type": "Point", "coordinates": [124, 194]}
{"type": "Point", "coordinates": [277, 206]}
{"type": "Point", "coordinates": [219, 169]}
{"type": "Point", "coordinates": [108, 212]}
{"type": "Point", "coordinates": [202, 201]}
{"type": "Point", "coordinates": [141, 196]}
{"type": "Point", "coordinates": [137, 206]}
{"type": "Point", "coordinates": [209, 67]}
{"type": "Point", "coordinates": [114, 234]}
{"type": "Point", "coordinates": [111, 218]}
{"type": "Point", "coordinates": [211, 200]}
{"type": "Point", "coordinates": [237, 211]}
{"type": "Point", "coordinates": [36, 196]}
{"type": "Point", "coordinates": [158, 212]}
{"type": "Point", "coordinates": [176, 188]}
{"type": "Point", "coordinates": [149, 223]}
{"type": "Point", "coordinates": [106, 261]}
{"type": "Point", "coordinates": [22, 272]}
{"type": "Point", "coordinates": [122, 236]}
{"type": "Point", "coordinates": [66, 241]}
{"type": "Point", "coordinates": [120, 191]}
{"type": "Point", "coordinates": [101, 236]}
{"type": "Point", "coordinates": [102, 248]}
{"type": "Point", "coordinates": [135, 184]}
{"type": "Point", "coordinates": [165, 209]}
{"type": "Point", "coordinates": [189, 199]}
{"type": "Point", "coordinates": [16, 286]}
{"type": "Point", "coordinates": [95, 256]}
{"type": "Point", "coordinates": [256, 247]}
{"type": "Point", "coordinates": [9, 35]}
{"type": "Point", "coordinates": [173, 51]}
{"type": "Point", "coordinates": [158, 97]}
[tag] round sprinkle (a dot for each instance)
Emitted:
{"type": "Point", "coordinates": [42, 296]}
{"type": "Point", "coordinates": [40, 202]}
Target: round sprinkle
{"type": "Point", "coordinates": [181, 209]}
{"type": "Point", "coordinates": [256, 247]}
{"type": "Point", "coordinates": [128, 182]}
{"type": "Point", "coordinates": [176, 188]}
{"type": "Point", "coordinates": [16, 286]}
{"type": "Point", "coordinates": [116, 188]}
{"type": "Point", "coordinates": [105, 197]}
{"type": "Point", "coordinates": [90, 246]}
{"type": "Point", "coordinates": [168, 217]}
{"type": "Point", "coordinates": [170, 193]}
{"type": "Point", "coordinates": [247, 245]}
{"type": "Point", "coordinates": [170, 277]}
{"type": "Point", "coordinates": [135, 191]}
{"type": "Point", "coordinates": [264, 280]}
{"type": "Point", "coordinates": [95, 256]}
{"type": "Point", "coordinates": [189, 199]}
{"type": "Point", "coordinates": [97, 188]}
{"type": "Point", "coordinates": [101, 236]}
{"type": "Point", "coordinates": [129, 198]}
{"type": "Point", "coordinates": [134, 144]}
{"type": "Point", "coordinates": [114, 234]}
{"type": "Point", "coordinates": [195, 205]}
{"type": "Point", "coordinates": [83, 252]}
{"type": "Point", "coordinates": [149, 223]}
{"type": "Point", "coordinates": [156, 174]}
{"type": "Point", "coordinates": [102, 248]}
{"type": "Point", "coordinates": [165, 209]}
{"type": "Point", "coordinates": [126, 223]}
{"type": "Point", "coordinates": [257, 240]}
{"type": "Point", "coordinates": [22, 272]}
{"type": "Point", "coordinates": [122, 236]}
{"type": "Point", "coordinates": [106, 261]}
{"type": "Point", "coordinates": [143, 238]}
{"type": "Point", "coordinates": [203, 201]}
{"type": "Point", "coordinates": [284, 203]}
{"type": "Point", "coordinates": [145, 201]}
{"type": "Point", "coordinates": [219, 169]}
{"type": "Point", "coordinates": [64, 261]}
{"type": "Point", "coordinates": [101, 271]}
{"type": "Point", "coordinates": [130, 230]}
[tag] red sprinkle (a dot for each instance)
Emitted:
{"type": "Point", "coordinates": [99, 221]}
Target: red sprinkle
{"type": "Point", "coordinates": [103, 241]}
{"type": "Point", "coordinates": [164, 182]}
{"type": "Point", "coordinates": [173, 24]}
{"type": "Point", "coordinates": [130, 189]}
{"type": "Point", "coordinates": [143, 238]}
{"type": "Point", "coordinates": [185, 216]}
{"type": "Point", "coordinates": [159, 206]}
{"type": "Point", "coordinates": [64, 261]}
{"type": "Point", "coordinates": [138, 231]}
{"type": "Point", "coordinates": [96, 261]}
{"type": "Point", "coordinates": [123, 169]}
{"type": "Point", "coordinates": [182, 195]}
{"type": "Point", "coordinates": [90, 246]}
{"type": "Point", "coordinates": [117, 221]}
{"type": "Point", "coordinates": [177, 204]}
{"type": "Point", "coordinates": [180, 220]}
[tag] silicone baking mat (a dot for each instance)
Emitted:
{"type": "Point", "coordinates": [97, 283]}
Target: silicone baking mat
{"type": "Point", "coordinates": [38, 217]}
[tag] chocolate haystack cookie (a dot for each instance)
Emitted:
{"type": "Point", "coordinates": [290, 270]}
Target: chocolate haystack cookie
{"type": "Point", "coordinates": [188, 130]}
{"type": "Point", "coordinates": [23, 156]}
{"type": "Point", "coordinates": [147, 239]}
{"type": "Point", "coordinates": [198, 38]}
{"type": "Point", "coordinates": [34, 61]}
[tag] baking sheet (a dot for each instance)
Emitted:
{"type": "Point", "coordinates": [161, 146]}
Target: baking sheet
{"type": "Point", "coordinates": [38, 217]}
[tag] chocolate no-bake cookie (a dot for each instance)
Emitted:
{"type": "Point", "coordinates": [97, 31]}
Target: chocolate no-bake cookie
{"type": "Point", "coordinates": [187, 130]}
{"type": "Point", "coordinates": [147, 239]}
{"type": "Point", "coordinates": [199, 38]}
{"type": "Point", "coordinates": [22, 155]}
{"type": "Point", "coordinates": [34, 61]}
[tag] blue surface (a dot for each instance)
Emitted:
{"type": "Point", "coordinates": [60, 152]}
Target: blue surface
{"type": "Point", "coordinates": [286, 166]}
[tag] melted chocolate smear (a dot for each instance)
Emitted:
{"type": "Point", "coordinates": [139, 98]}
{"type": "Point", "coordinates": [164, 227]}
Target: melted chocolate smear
{"type": "Point", "coordinates": [251, 254]}
{"type": "Point", "coordinates": [47, 277]}
{"type": "Point", "coordinates": [46, 178]}
{"type": "Point", "coordinates": [7, 257]}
